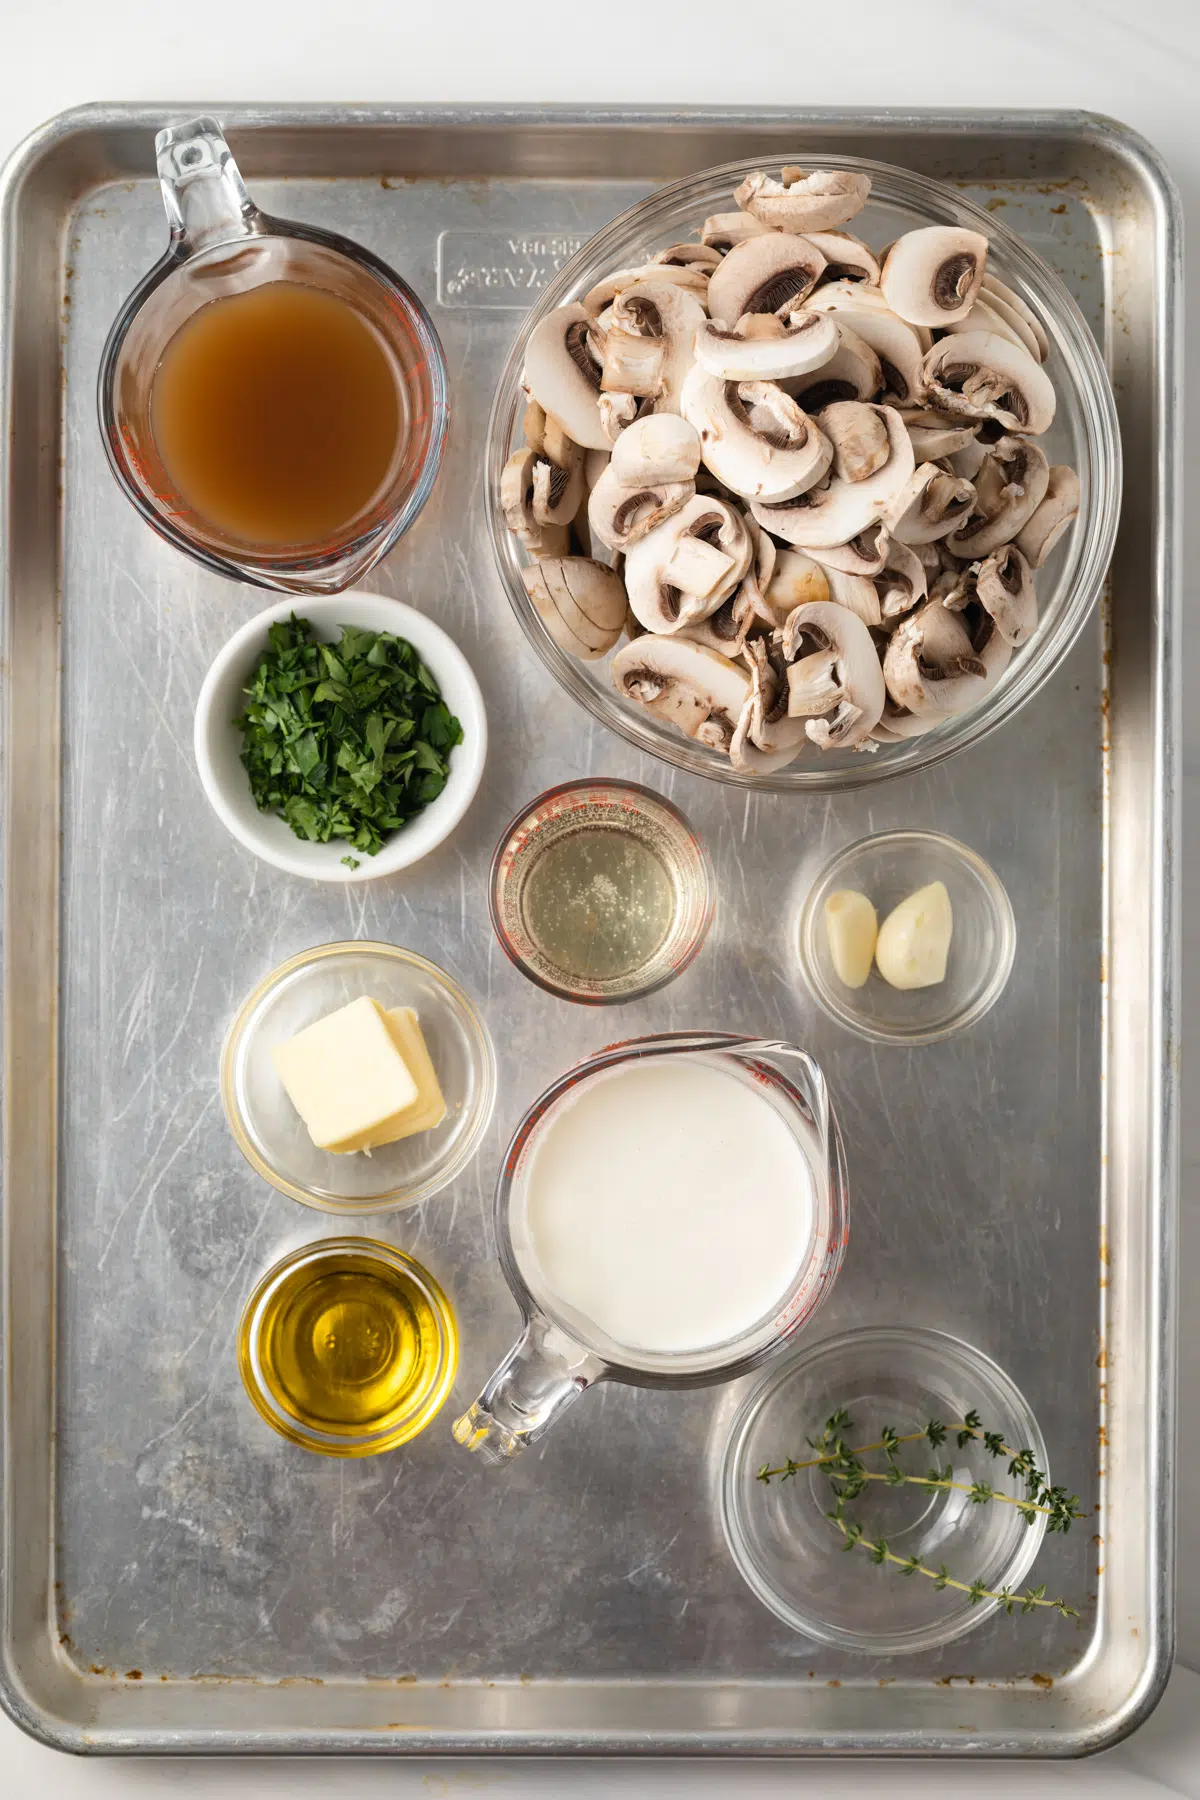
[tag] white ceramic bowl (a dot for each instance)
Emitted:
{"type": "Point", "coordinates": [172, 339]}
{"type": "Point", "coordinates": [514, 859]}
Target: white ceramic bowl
{"type": "Point", "coordinates": [218, 743]}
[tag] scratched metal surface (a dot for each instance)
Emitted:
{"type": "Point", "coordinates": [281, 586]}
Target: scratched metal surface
{"type": "Point", "coordinates": [194, 1552]}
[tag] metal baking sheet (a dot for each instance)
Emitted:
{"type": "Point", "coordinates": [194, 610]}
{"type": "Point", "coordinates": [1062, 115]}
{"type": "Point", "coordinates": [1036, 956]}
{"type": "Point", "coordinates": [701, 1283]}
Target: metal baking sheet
{"type": "Point", "coordinates": [177, 1578]}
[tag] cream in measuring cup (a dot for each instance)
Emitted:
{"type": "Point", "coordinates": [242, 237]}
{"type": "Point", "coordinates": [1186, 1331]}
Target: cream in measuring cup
{"type": "Point", "coordinates": [669, 1205]}
{"type": "Point", "coordinates": [667, 1215]}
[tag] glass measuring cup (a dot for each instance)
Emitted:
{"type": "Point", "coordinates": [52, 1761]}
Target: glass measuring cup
{"type": "Point", "coordinates": [560, 1353]}
{"type": "Point", "coordinates": [221, 244]}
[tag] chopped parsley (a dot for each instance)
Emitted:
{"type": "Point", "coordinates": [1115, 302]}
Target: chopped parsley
{"type": "Point", "coordinates": [347, 740]}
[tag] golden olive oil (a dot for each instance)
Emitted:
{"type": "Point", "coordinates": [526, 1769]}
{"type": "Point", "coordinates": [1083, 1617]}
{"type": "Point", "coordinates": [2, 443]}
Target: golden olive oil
{"type": "Point", "coordinates": [348, 1347]}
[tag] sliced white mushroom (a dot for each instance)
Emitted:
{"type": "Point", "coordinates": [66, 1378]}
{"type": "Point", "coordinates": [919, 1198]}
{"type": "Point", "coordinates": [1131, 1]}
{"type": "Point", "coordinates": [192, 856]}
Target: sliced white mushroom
{"type": "Point", "coordinates": [771, 273]}
{"type": "Point", "coordinates": [617, 413]}
{"type": "Point", "coordinates": [725, 630]}
{"type": "Point", "coordinates": [750, 603]}
{"type": "Point", "coordinates": [692, 279]}
{"type": "Point", "coordinates": [837, 509]}
{"type": "Point", "coordinates": [797, 581]}
{"type": "Point", "coordinates": [987, 643]}
{"type": "Point", "coordinates": [859, 435]}
{"type": "Point", "coordinates": [989, 313]}
{"type": "Point", "coordinates": [934, 436]}
{"type": "Point", "coordinates": [1000, 296]}
{"type": "Point", "coordinates": [1010, 485]}
{"type": "Point", "coordinates": [978, 375]}
{"type": "Point", "coordinates": [901, 584]}
{"type": "Point", "coordinates": [992, 655]}
{"type": "Point", "coordinates": [633, 363]}
{"type": "Point", "coordinates": [932, 504]}
{"type": "Point", "coordinates": [722, 231]}
{"type": "Point", "coordinates": [694, 688]}
{"type": "Point", "coordinates": [531, 509]}
{"type": "Point", "coordinates": [968, 461]}
{"type": "Point", "coordinates": [660, 447]}
{"type": "Point", "coordinates": [1004, 586]}
{"type": "Point", "coordinates": [853, 372]}
{"type": "Point", "coordinates": [931, 276]}
{"type": "Point", "coordinates": [767, 737]}
{"type": "Point", "coordinates": [834, 678]}
{"type": "Point", "coordinates": [581, 603]}
{"type": "Point", "coordinates": [899, 346]}
{"type": "Point", "coordinates": [857, 593]}
{"type": "Point", "coordinates": [563, 376]}
{"type": "Point", "coordinates": [864, 554]}
{"type": "Point", "coordinates": [754, 437]}
{"type": "Point", "coordinates": [683, 570]}
{"type": "Point", "coordinates": [847, 258]}
{"type": "Point", "coordinates": [804, 201]}
{"type": "Point", "coordinates": [688, 256]}
{"type": "Point", "coordinates": [558, 486]}
{"type": "Point", "coordinates": [651, 316]}
{"type": "Point", "coordinates": [764, 347]}
{"type": "Point", "coordinates": [533, 425]}
{"type": "Point", "coordinates": [619, 515]}
{"type": "Point", "coordinates": [595, 462]}
{"type": "Point", "coordinates": [1041, 533]}
{"type": "Point", "coordinates": [930, 665]}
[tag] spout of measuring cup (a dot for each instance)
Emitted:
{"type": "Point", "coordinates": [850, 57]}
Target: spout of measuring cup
{"type": "Point", "coordinates": [539, 1378]}
{"type": "Point", "coordinates": [202, 188]}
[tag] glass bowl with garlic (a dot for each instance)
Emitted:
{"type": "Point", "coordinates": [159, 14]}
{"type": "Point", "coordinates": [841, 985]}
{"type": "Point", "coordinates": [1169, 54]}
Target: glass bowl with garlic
{"type": "Point", "coordinates": [907, 937]}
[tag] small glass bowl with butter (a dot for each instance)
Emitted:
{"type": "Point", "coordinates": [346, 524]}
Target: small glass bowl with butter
{"type": "Point", "coordinates": [305, 1040]}
{"type": "Point", "coordinates": [921, 909]}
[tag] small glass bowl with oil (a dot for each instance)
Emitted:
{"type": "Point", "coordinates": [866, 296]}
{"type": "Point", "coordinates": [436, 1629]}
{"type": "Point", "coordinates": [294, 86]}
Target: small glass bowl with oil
{"type": "Point", "coordinates": [348, 1347]}
{"type": "Point", "coordinates": [601, 891]}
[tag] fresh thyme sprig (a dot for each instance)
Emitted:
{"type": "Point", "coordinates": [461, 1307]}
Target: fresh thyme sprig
{"type": "Point", "coordinates": [849, 1477]}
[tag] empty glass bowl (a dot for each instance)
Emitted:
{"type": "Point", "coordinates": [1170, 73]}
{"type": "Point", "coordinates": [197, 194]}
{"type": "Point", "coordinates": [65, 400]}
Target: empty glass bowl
{"type": "Point", "coordinates": [270, 1132]}
{"type": "Point", "coordinates": [1084, 434]}
{"type": "Point", "coordinates": [792, 1555]}
{"type": "Point", "coordinates": [887, 868]}
{"type": "Point", "coordinates": [601, 891]}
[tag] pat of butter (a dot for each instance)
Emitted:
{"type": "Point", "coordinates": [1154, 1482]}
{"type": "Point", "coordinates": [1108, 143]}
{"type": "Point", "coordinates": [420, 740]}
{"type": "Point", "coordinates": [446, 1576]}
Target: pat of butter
{"type": "Point", "coordinates": [426, 1111]}
{"type": "Point", "coordinates": [345, 1075]}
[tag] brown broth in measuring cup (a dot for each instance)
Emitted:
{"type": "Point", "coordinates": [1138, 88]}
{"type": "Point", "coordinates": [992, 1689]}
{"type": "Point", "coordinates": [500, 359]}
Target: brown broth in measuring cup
{"type": "Point", "coordinates": [273, 398]}
{"type": "Point", "coordinates": [279, 414]}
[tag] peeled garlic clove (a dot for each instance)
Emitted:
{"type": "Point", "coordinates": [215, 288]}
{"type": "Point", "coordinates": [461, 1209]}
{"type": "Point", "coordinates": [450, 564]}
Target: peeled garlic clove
{"type": "Point", "coordinates": [852, 927]}
{"type": "Point", "coordinates": [914, 939]}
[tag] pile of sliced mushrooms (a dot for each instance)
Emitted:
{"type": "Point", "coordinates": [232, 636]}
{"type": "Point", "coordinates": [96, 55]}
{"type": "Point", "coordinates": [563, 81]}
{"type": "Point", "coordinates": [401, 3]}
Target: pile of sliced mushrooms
{"type": "Point", "coordinates": [801, 479]}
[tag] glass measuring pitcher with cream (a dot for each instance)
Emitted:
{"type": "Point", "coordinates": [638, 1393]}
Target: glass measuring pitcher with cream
{"type": "Point", "coordinates": [273, 398]}
{"type": "Point", "coordinates": [668, 1214]}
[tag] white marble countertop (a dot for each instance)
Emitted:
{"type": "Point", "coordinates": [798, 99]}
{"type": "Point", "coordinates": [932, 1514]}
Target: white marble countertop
{"type": "Point", "coordinates": [1138, 60]}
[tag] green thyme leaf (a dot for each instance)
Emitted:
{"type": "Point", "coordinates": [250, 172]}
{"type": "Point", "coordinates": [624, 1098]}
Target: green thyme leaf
{"type": "Point", "coordinates": [345, 741]}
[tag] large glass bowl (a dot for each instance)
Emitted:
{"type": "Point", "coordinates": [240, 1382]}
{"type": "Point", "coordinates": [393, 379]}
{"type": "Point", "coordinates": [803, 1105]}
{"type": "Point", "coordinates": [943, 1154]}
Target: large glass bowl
{"type": "Point", "coordinates": [1084, 434]}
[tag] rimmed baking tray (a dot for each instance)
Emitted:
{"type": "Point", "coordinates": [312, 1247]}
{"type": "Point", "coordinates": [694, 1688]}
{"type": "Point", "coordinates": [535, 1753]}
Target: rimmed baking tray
{"type": "Point", "coordinates": [176, 1578]}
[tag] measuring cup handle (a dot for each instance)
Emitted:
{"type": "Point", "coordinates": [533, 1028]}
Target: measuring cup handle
{"type": "Point", "coordinates": [543, 1372]}
{"type": "Point", "coordinates": [202, 188]}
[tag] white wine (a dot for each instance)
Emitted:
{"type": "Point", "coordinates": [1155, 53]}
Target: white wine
{"type": "Point", "coordinates": [601, 890]}
{"type": "Point", "coordinates": [599, 903]}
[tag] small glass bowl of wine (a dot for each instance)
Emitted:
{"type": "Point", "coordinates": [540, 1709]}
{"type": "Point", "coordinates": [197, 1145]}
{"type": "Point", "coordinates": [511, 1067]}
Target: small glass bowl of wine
{"type": "Point", "coordinates": [601, 891]}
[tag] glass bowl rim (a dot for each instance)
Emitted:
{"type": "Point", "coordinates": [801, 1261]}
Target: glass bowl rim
{"type": "Point", "coordinates": [657, 802]}
{"type": "Point", "coordinates": [909, 1038]}
{"type": "Point", "coordinates": [731, 1509]}
{"type": "Point", "coordinates": [396, 1199]}
{"type": "Point", "coordinates": [346, 1443]}
{"type": "Point", "coordinates": [1098, 445]}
